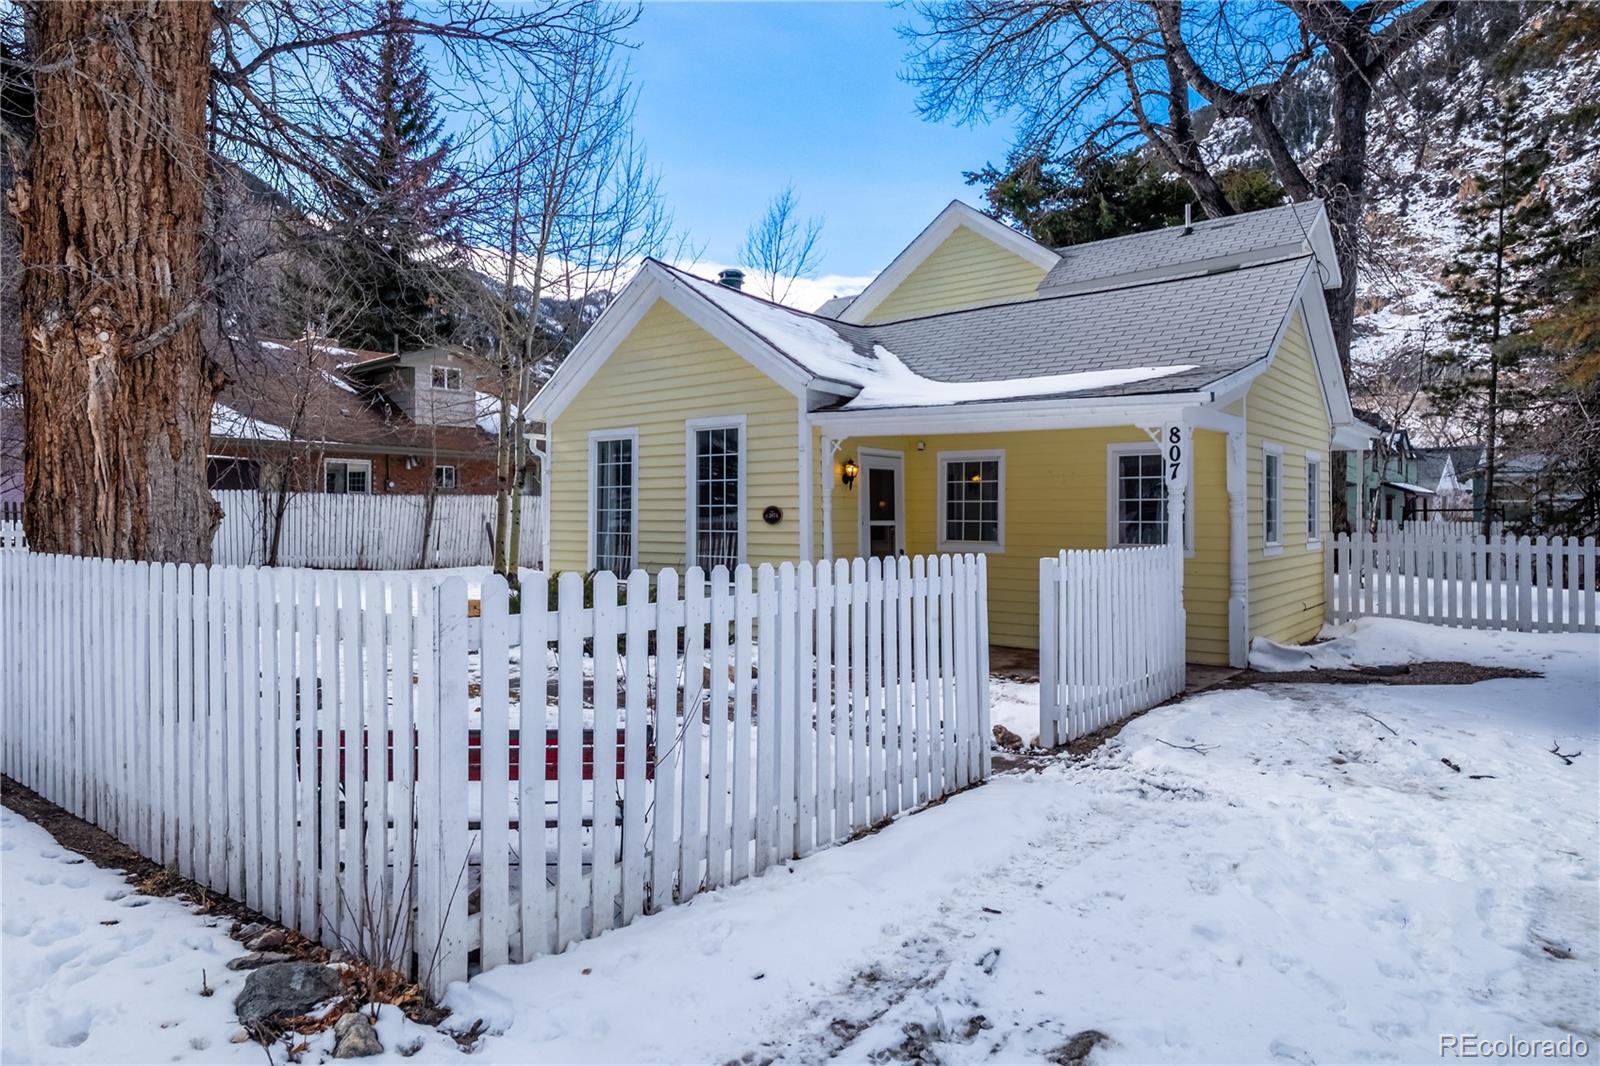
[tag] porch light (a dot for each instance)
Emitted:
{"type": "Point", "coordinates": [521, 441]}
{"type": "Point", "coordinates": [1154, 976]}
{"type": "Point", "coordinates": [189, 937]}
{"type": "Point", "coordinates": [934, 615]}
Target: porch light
{"type": "Point", "coordinates": [849, 473]}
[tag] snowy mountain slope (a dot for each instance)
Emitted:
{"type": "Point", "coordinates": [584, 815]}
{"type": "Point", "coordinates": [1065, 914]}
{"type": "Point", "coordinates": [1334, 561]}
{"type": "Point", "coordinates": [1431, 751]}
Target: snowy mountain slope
{"type": "Point", "coordinates": [1431, 130]}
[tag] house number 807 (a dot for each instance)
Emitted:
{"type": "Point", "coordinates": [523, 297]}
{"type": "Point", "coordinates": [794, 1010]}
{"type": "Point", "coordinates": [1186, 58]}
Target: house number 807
{"type": "Point", "coordinates": [1174, 452]}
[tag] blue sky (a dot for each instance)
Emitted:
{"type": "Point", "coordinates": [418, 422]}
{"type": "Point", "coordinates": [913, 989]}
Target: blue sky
{"type": "Point", "coordinates": [738, 99]}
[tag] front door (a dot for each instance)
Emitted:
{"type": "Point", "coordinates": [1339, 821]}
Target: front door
{"type": "Point", "coordinates": [883, 504]}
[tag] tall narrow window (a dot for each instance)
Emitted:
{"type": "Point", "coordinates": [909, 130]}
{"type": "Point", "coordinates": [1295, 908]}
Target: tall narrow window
{"type": "Point", "coordinates": [1272, 496]}
{"type": "Point", "coordinates": [1141, 499]}
{"type": "Point", "coordinates": [717, 508]}
{"type": "Point", "coordinates": [613, 465]}
{"type": "Point", "coordinates": [1313, 499]}
{"type": "Point", "coordinates": [971, 502]}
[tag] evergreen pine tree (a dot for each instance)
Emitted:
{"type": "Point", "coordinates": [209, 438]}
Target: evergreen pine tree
{"type": "Point", "coordinates": [387, 257]}
{"type": "Point", "coordinates": [1494, 283]}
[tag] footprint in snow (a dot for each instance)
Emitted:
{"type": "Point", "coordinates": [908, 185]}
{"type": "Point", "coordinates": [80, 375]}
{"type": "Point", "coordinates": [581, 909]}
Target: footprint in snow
{"type": "Point", "coordinates": [116, 894]}
{"type": "Point", "coordinates": [137, 901]}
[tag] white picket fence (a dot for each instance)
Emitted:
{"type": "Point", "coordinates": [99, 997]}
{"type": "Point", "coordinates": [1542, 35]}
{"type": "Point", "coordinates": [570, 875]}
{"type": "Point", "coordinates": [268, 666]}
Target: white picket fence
{"type": "Point", "coordinates": [232, 722]}
{"type": "Point", "coordinates": [1452, 578]}
{"type": "Point", "coordinates": [1111, 638]}
{"type": "Point", "coordinates": [358, 532]}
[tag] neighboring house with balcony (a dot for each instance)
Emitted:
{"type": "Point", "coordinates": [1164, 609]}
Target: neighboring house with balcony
{"type": "Point", "coordinates": [340, 420]}
{"type": "Point", "coordinates": [984, 394]}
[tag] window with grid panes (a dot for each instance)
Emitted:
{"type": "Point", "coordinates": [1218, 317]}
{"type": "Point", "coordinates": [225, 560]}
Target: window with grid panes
{"type": "Point", "coordinates": [972, 501]}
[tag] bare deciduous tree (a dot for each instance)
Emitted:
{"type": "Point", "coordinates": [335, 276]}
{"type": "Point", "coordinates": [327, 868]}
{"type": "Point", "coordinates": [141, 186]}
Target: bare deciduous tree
{"type": "Point", "coordinates": [134, 105]}
{"type": "Point", "coordinates": [780, 248]}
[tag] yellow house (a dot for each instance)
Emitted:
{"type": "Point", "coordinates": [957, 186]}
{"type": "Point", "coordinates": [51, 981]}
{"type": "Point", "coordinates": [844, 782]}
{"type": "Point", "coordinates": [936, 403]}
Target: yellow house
{"type": "Point", "coordinates": [984, 394]}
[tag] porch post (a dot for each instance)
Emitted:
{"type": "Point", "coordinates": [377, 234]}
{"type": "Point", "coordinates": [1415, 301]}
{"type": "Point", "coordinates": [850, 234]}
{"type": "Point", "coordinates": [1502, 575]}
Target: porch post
{"type": "Point", "coordinates": [825, 471]}
{"type": "Point", "coordinates": [1175, 453]}
{"type": "Point", "coordinates": [1238, 554]}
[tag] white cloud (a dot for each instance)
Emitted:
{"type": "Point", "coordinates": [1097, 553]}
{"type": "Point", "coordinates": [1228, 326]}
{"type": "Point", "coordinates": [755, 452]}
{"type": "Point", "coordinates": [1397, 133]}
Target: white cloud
{"type": "Point", "coordinates": [807, 294]}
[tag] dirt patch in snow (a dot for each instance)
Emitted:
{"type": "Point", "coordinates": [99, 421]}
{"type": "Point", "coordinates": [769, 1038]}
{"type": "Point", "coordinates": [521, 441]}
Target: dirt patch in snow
{"type": "Point", "coordinates": [107, 852]}
{"type": "Point", "coordinates": [1423, 673]}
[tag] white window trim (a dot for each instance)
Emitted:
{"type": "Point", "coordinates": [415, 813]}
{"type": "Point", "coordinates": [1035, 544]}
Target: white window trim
{"type": "Point", "coordinates": [976, 547]}
{"type": "Point", "coordinates": [461, 378]}
{"type": "Point", "coordinates": [1271, 547]}
{"type": "Point", "coordinates": [631, 434]}
{"type": "Point", "coordinates": [453, 481]}
{"type": "Point", "coordinates": [1314, 536]}
{"type": "Point", "coordinates": [863, 518]}
{"type": "Point", "coordinates": [365, 464]}
{"type": "Point", "coordinates": [691, 481]}
{"type": "Point", "coordinates": [1114, 453]}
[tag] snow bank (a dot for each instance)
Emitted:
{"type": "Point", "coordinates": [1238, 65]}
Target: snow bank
{"type": "Point", "coordinates": [1275, 873]}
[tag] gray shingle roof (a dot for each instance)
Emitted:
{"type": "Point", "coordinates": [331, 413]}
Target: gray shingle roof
{"type": "Point", "coordinates": [1163, 249]}
{"type": "Point", "coordinates": [1220, 323]}
{"type": "Point", "coordinates": [1217, 323]}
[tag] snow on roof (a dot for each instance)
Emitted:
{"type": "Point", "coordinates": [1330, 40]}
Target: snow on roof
{"type": "Point", "coordinates": [896, 385]}
{"type": "Point", "coordinates": [1160, 336]}
{"type": "Point", "coordinates": [817, 345]}
{"type": "Point", "coordinates": [226, 422]}
{"type": "Point", "coordinates": [1406, 486]}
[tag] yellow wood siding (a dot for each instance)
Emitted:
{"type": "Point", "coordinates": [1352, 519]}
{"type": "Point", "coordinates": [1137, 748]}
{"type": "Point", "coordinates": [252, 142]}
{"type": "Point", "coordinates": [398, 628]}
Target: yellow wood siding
{"type": "Point", "coordinates": [666, 372]}
{"type": "Point", "coordinates": [966, 270]}
{"type": "Point", "coordinates": [1286, 407]}
{"type": "Point", "coordinates": [1054, 497]}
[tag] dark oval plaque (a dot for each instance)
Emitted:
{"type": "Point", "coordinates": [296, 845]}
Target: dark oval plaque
{"type": "Point", "coordinates": [772, 515]}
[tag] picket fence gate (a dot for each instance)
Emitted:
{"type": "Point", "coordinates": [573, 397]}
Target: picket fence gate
{"type": "Point", "coordinates": [1111, 637]}
{"type": "Point", "coordinates": [303, 740]}
{"type": "Point", "coordinates": [1452, 578]}
{"type": "Point", "coordinates": [351, 531]}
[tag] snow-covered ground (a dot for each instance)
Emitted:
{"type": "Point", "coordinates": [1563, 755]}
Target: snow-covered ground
{"type": "Point", "coordinates": [1290, 872]}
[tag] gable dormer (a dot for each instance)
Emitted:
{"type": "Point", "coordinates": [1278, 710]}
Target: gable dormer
{"type": "Point", "coordinates": [963, 259]}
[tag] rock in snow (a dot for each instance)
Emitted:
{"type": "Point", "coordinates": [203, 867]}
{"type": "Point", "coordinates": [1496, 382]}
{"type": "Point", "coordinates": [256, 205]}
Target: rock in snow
{"type": "Point", "coordinates": [285, 988]}
{"type": "Point", "coordinates": [354, 1038]}
{"type": "Point", "coordinates": [268, 940]}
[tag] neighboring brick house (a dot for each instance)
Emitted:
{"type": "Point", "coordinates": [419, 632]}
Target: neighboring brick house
{"type": "Point", "coordinates": [341, 420]}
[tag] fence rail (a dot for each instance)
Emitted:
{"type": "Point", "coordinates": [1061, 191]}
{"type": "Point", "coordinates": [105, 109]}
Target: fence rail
{"type": "Point", "coordinates": [303, 740]}
{"type": "Point", "coordinates": [1539, 584]}
{"type": "Point", "coordinates": [356, 532]}
{"type": "Point", "coordinates": [1111, 637]}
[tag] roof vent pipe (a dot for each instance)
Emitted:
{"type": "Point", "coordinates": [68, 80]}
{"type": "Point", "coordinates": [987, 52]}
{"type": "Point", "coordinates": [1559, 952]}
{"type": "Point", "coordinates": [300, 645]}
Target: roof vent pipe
{"type": "Point", "coordinates": [1188, 219]}
{"type": "Point", "coordinates": [733, 279]}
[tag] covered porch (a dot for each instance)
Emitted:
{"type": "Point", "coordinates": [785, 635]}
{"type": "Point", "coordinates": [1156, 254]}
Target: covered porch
{"type": "Point", "coordinates": [1020, 495]}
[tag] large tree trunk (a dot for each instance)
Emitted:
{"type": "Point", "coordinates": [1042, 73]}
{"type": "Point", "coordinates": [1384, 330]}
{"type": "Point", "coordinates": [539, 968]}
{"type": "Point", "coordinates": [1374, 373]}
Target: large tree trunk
{"type": "Point", "coordinates": [117, 390]}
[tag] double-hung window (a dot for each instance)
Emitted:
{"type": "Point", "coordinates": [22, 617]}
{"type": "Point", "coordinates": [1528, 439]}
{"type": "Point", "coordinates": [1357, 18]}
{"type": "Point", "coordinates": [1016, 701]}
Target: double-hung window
{"type": "Point", "coordinates": [972, 501]}
{"type": "Point", "coordinates": [613, 466]}
{"type": "Point", "coordinates": [716, 504]}
{"type": "Point", "coordinates": [1272, 495]}
{"type": "Point", "coordinates": [1137, 497]}
{"type": "Point", "coordinates": [444, 476]}
{"type": "Point", "coordinates": [1313, 500]}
